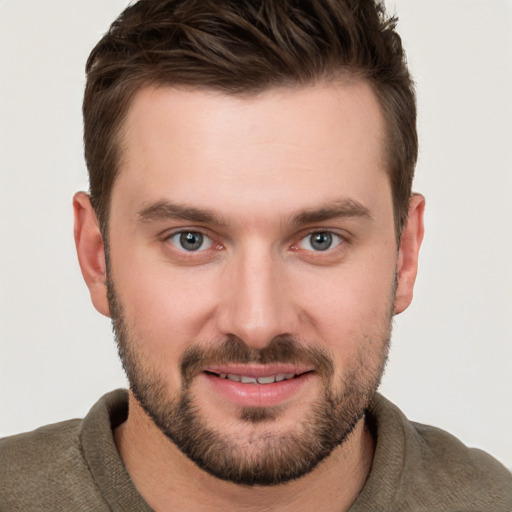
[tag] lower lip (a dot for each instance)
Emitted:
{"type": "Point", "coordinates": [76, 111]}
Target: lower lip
{"type": "Point", "coordinates": [257, 395]}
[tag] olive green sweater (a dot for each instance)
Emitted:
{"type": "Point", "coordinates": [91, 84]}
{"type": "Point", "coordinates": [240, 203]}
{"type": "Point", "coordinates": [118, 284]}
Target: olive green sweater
{"type": "Point", "coordinates": [75, 466]}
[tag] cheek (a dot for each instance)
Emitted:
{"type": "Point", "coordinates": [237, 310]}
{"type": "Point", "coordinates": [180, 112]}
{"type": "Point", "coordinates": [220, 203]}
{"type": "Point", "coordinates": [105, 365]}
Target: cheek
{"type": "Point", "coordinates": [162, 319]}
{"type": "Point", "coordinates": [165, 308]}
{"type": "Point", "coordinates": [351, 304]}
{"type": "Point", "coordinates": [174, 302]}
{"type": "Point", "coordinates": [354, 324]}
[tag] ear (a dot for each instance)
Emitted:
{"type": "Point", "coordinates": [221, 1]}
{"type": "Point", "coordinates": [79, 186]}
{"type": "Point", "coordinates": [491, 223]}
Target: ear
{"type": "Point", "coordinates": [91, 251]}
{"type": "Point", "coordinates": [407, 263]}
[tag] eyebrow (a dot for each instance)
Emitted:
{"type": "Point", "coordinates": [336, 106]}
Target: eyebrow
{"type": "Point", "coordinates": [341, 208]}
{"type": "Point", "coordinates": [164, 210]}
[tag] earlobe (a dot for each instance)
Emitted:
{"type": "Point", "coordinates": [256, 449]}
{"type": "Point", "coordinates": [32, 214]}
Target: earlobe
{"type": "Point", "coordinates": [90, 250]}
{"type": "Point", "coordinates": [407, 264]}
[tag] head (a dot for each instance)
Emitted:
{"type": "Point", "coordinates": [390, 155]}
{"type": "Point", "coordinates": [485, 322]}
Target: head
{"type": "Point", "coordinates": [250, 169]}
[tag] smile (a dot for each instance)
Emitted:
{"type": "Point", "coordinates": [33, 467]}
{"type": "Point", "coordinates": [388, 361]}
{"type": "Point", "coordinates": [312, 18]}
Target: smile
{"type": "Point", "coordinates": [247, 379]}
{"type": "Point", "coordinates": [256, 385]}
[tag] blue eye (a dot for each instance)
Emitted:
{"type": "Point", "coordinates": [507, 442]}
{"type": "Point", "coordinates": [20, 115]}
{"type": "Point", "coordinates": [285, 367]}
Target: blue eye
{"type": "Point", "coordinates": [190, 241]}
{"type": "Point", "coordinates": [320, 241]}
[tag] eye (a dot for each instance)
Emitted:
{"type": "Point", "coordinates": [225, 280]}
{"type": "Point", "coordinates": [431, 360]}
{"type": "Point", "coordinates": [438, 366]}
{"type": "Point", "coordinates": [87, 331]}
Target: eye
{"type": "Point", "coordinates": [190, 241]}
{"type": "Point", "coordinates": [320, 241]}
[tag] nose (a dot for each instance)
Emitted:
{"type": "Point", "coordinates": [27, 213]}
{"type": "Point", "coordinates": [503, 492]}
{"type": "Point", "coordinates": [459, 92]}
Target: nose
{"type": "Point", "coordinates": [257, 302]}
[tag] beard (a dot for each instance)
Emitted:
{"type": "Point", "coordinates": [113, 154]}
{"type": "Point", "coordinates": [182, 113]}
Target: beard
{"type": "Point", "coordinates": [264, 457]}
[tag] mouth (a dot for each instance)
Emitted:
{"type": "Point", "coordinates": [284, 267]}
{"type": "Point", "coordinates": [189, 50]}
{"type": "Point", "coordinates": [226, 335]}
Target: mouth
{"type": "Point", "coordinates": [259, 385]}
{"type": "Point", "coordinates": [263, 379]}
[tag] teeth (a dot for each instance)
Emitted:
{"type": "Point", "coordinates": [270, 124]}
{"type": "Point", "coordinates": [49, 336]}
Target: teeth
{"type": "Point", "coordinates": [248, 380]}
{"type": "Point", "coordinates": [245, 379]}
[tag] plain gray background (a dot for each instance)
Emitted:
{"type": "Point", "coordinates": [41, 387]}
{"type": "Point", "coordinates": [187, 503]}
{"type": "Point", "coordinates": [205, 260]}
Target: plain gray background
{"type": "Point", "coordinates": [451, 358]}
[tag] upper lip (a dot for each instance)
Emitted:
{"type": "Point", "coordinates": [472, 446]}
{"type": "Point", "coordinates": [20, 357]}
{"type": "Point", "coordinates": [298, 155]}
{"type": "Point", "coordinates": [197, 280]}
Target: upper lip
{"type": "Point", "coordinates": [257, 370]}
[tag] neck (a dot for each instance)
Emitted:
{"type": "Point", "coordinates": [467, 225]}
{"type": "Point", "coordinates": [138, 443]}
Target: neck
{"type": "Point", "coordinates": [168, 480]}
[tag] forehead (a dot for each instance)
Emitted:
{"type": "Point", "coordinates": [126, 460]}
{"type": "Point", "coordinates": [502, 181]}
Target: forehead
{"type": "Point", "coordinates": [217, 150]}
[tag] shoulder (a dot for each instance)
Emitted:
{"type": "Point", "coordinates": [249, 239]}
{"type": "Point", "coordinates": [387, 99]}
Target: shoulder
{"type": "Point", "coordinates": [53, 447]}
{"type": "Point", "coordinates": [423, 468]}
{"type": "Point", "coordinates": [444, 467]}
{"type": "Point", "coordinates": [24, 448]}
{"type": "Point", "coordinates": [45, 470]}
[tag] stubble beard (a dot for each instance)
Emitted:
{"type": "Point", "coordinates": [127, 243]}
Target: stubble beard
{"type": "Point", "coordinates": [273, 458]}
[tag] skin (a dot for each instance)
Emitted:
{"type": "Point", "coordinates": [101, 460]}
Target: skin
{"type": "Point", "coordinates": [256, 163]}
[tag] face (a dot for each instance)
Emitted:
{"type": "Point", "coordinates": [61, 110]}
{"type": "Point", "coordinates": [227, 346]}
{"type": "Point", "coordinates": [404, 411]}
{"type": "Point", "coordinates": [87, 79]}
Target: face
{"type": "Point", "coordinates": [252, 271]}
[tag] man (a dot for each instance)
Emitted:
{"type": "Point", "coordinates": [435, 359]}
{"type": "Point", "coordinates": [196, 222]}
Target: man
{"type": "Point", "coordinates": [251, 232]}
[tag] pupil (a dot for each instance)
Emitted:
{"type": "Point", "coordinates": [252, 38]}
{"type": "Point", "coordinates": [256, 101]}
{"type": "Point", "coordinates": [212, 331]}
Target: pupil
{"type": "Point", "coordinates": [191, 241]}
{"type": "Point", "coordinates": [321, 241]}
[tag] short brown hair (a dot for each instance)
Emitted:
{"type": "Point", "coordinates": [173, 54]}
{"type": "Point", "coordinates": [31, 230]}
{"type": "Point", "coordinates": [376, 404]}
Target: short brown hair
{"type": "Point", "coordinates": [240, 47]}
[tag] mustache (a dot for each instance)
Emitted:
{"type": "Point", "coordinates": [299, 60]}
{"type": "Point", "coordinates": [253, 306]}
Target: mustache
{"type": "Point", "coordinates": [281, 349]}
